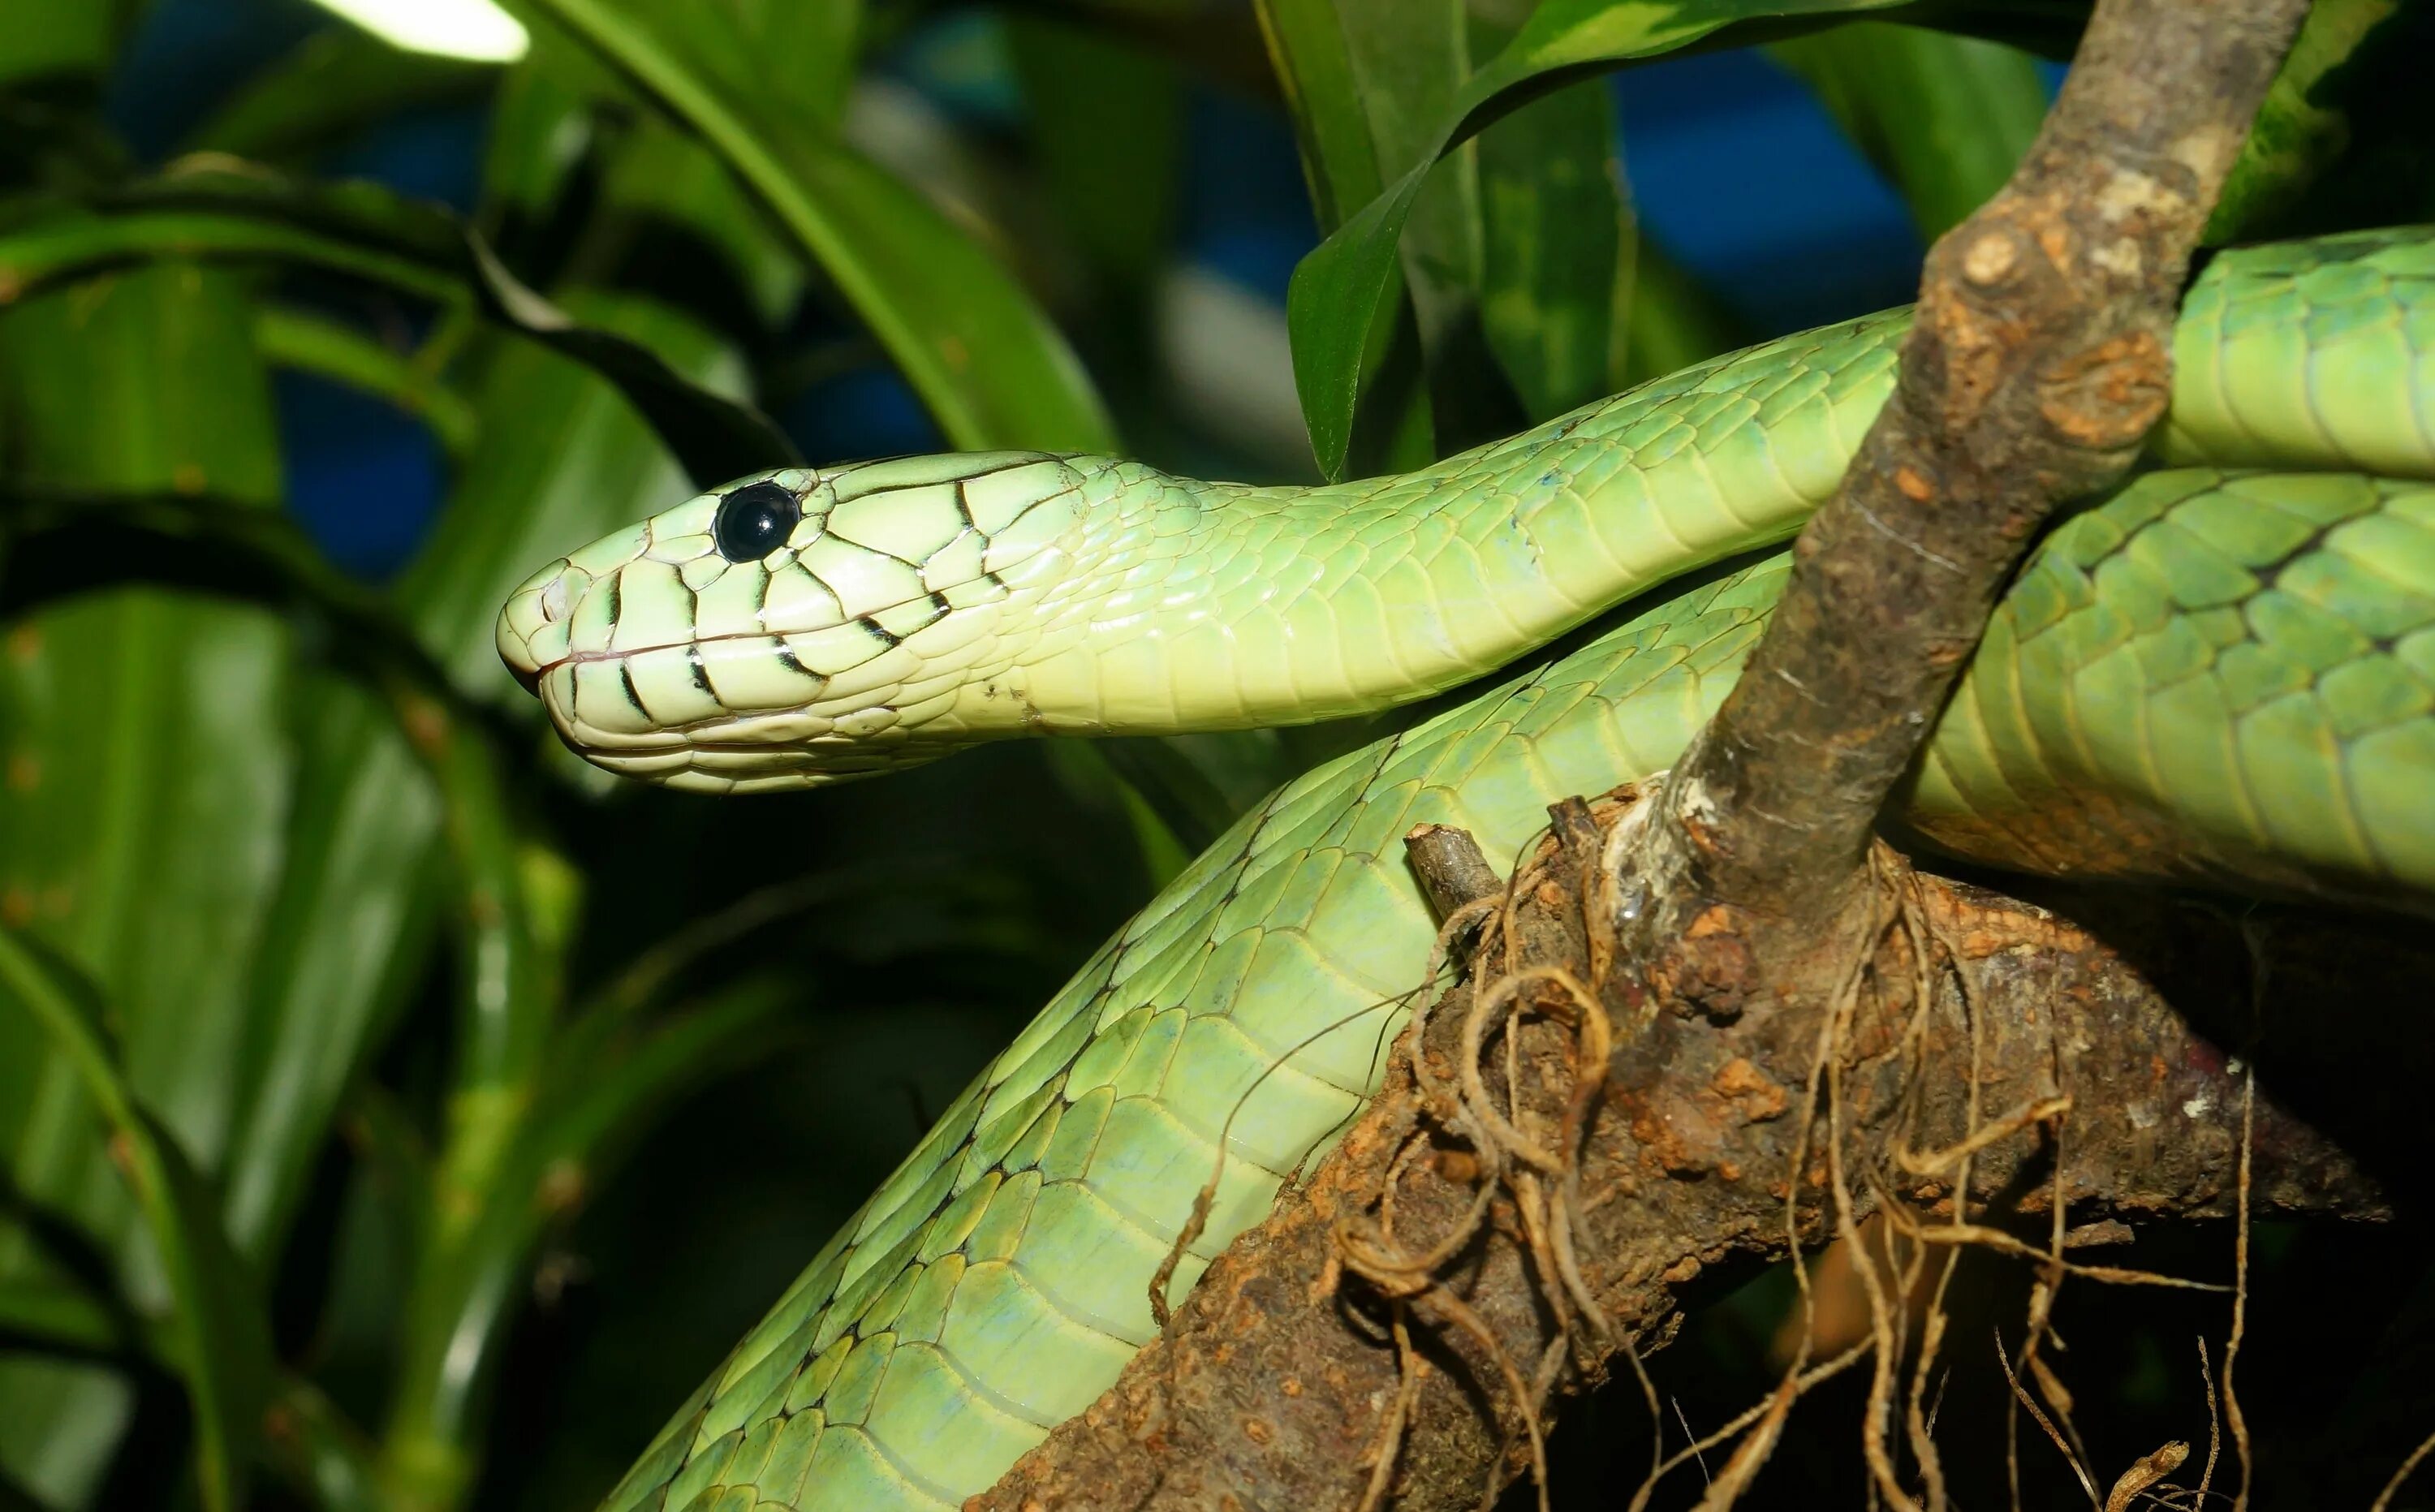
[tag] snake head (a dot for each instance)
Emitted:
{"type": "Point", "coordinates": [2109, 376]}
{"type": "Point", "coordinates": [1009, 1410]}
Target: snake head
{"type": "Point", "coordinates": [794, 628]}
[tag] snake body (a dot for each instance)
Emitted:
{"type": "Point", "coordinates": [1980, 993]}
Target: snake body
{"type": "Point", "coordinates": [2225, 673]}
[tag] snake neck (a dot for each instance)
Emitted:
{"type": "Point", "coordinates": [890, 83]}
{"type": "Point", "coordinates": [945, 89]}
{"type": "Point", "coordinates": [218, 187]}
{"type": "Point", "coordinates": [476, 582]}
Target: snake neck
{"type": "Point", "coordinates": [1168, 605]}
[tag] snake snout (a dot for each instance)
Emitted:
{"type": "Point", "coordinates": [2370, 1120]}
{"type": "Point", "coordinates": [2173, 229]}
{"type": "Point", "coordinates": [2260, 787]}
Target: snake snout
{"type": "Point", "coordinates": [532, 626]}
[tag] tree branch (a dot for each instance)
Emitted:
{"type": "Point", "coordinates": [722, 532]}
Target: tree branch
{"type": "Point", "coordinates": [2036, 366]}
{"type": "Point", "coordinates": [1277, 1382]}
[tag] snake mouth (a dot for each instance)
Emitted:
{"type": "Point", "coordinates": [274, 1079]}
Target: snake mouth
{"type": "Point", "coordinates": [735, 701]}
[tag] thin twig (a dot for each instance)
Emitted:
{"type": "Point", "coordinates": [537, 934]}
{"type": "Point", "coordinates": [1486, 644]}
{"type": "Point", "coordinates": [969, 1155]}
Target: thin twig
{"type": "Point", "coordinates": [2384, 1497]}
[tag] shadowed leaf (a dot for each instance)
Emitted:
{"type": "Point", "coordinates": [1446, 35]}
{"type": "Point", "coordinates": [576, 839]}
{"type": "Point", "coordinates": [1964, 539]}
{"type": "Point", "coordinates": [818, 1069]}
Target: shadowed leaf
{"type": "Point", "coordinates": [1339, 290]}
{"type": "Point", "coordinates": [1944, 118]}
{"type": "Point", "coordinates": [368, 232]}
{"type": "Point", "coordinates": [223, 1338]}
{"type": "Point", "coordinates": [933, 297]}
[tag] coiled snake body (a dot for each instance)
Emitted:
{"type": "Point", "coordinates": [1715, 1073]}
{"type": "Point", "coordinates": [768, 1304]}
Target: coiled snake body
{"type": "Point", "coordinates": [2223, 673]}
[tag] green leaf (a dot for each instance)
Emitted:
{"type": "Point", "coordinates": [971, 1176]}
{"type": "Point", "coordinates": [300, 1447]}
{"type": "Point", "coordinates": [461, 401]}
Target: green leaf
{"type": "Point", "coordinates": [358, 903]}
{"type": "Point", "coordinates": [55, 42]}
{"type": "Point", "coordinates": [346, 940]}
{"type": "Point", "coordinates": [332, 85]}
{"type": "Point", "coordinates": [362, 827]}
{"type": "Point", "coordinates": [368, 232]}
{"type": "Point", "coordinates": [510, 952]}
{"type": "Point", "coordinates": [582, 464]}
{"type": "Point", "coordinates": [1314, 64]}
{"type": "Point", "coordinates": [148, 774]}
{"type": "Point", "coordinates": [1110, 154]}
{"type": "Point", "coordinates": [985, 360]}
{"type": "Point", "coordinates": [1557, 249]}
{"type": "Point", "coordinates": [1945, 118]}
{"type": "Point", "coordinates": [1338, 290]}
{"type": "Point", "coordinates": [58, 1315]}
{"type": "Point", "coordinates": [1674, 322]}
{"type": "Point", "coordinates": [662, 184]}
{"type": "Point", "coordinates": [1353, 138]}
{"type": "Point", "coordinates": [605, 1080]}
{"type": "Point", "coordinates": [305, 342]}
{"type": "Point", "coordinates": [223, 1335]}
{"type": "Point", "coordinates": [542, 128]}
{"type": "Point", "coordinates": [2346, 138]}
{"type": "Point", "coordinates": [322, 1458]}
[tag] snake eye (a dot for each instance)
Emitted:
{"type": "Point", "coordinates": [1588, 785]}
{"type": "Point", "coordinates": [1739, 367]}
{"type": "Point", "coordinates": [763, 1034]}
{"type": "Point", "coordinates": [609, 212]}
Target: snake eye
{"type": "Point", "coordinates": [753, 520]}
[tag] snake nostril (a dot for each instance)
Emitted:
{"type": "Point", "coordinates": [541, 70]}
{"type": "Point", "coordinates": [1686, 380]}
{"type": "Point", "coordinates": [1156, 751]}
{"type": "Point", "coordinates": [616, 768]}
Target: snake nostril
{"type": "Point", "coordinates": [553, 600]}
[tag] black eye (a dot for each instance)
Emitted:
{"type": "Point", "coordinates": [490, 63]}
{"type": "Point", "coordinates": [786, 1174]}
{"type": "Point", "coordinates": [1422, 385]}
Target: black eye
{"type": "Point", "coordinates": [753, 520]}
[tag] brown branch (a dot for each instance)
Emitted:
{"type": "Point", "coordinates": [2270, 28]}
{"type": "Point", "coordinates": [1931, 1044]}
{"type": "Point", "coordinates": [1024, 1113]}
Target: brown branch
{"type": "Point", "coordinates": [1279, 1376]}
{"type": "Point", "coordinates": [2037, 364]}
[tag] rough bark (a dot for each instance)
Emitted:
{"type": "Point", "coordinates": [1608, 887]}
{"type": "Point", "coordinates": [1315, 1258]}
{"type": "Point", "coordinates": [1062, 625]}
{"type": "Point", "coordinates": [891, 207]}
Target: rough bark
{"type": "Point", "coordinates": [1278, 1379]}
{"type": "Point", "coordinates": [2037, 364]}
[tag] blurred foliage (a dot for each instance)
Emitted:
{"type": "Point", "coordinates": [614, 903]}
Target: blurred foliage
{"type": "Point", "coordinates": [335, 998]}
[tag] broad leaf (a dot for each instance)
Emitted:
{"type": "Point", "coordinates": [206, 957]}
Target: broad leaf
{"type": "Point", "coordinates": [355, 906]}
{"type": "Point", "coordinates": [55, 43]}
{"type": "Point", "coordinates": [1353, 143]}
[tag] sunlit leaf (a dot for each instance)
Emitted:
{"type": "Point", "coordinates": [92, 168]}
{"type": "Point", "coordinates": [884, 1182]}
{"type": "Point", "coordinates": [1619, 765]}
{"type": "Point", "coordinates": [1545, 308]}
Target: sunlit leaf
{"type": "Point", "coordinates": [473, 29]}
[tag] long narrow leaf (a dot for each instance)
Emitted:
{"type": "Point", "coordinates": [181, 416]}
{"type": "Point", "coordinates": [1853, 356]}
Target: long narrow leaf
{"type": "Point", "coordinates": [371, 233]}
{"type": "Point", "coordinates": [1337, 291]}
{"type": "Point", "coordinates": [140, 831]}
{"type": "Point", "coordinates": [934, 298]}
{"type": "Point", "coordinates": [224, 1336]}
{"type": "Point", "coordinates": [1945, 118]}
{"type": "Point", "coordinates": [305, 342]}
{"type": "Point", "coordinates": [333, 84]}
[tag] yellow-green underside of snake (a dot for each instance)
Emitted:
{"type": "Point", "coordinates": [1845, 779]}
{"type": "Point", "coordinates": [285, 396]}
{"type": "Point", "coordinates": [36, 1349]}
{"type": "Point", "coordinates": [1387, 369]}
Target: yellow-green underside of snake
{"type": "Point", "coordinates": [2225, 672]}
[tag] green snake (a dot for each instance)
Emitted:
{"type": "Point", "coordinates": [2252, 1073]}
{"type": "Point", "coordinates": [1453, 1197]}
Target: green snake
{"type": "Point", "coordinates": [2225, 673]}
